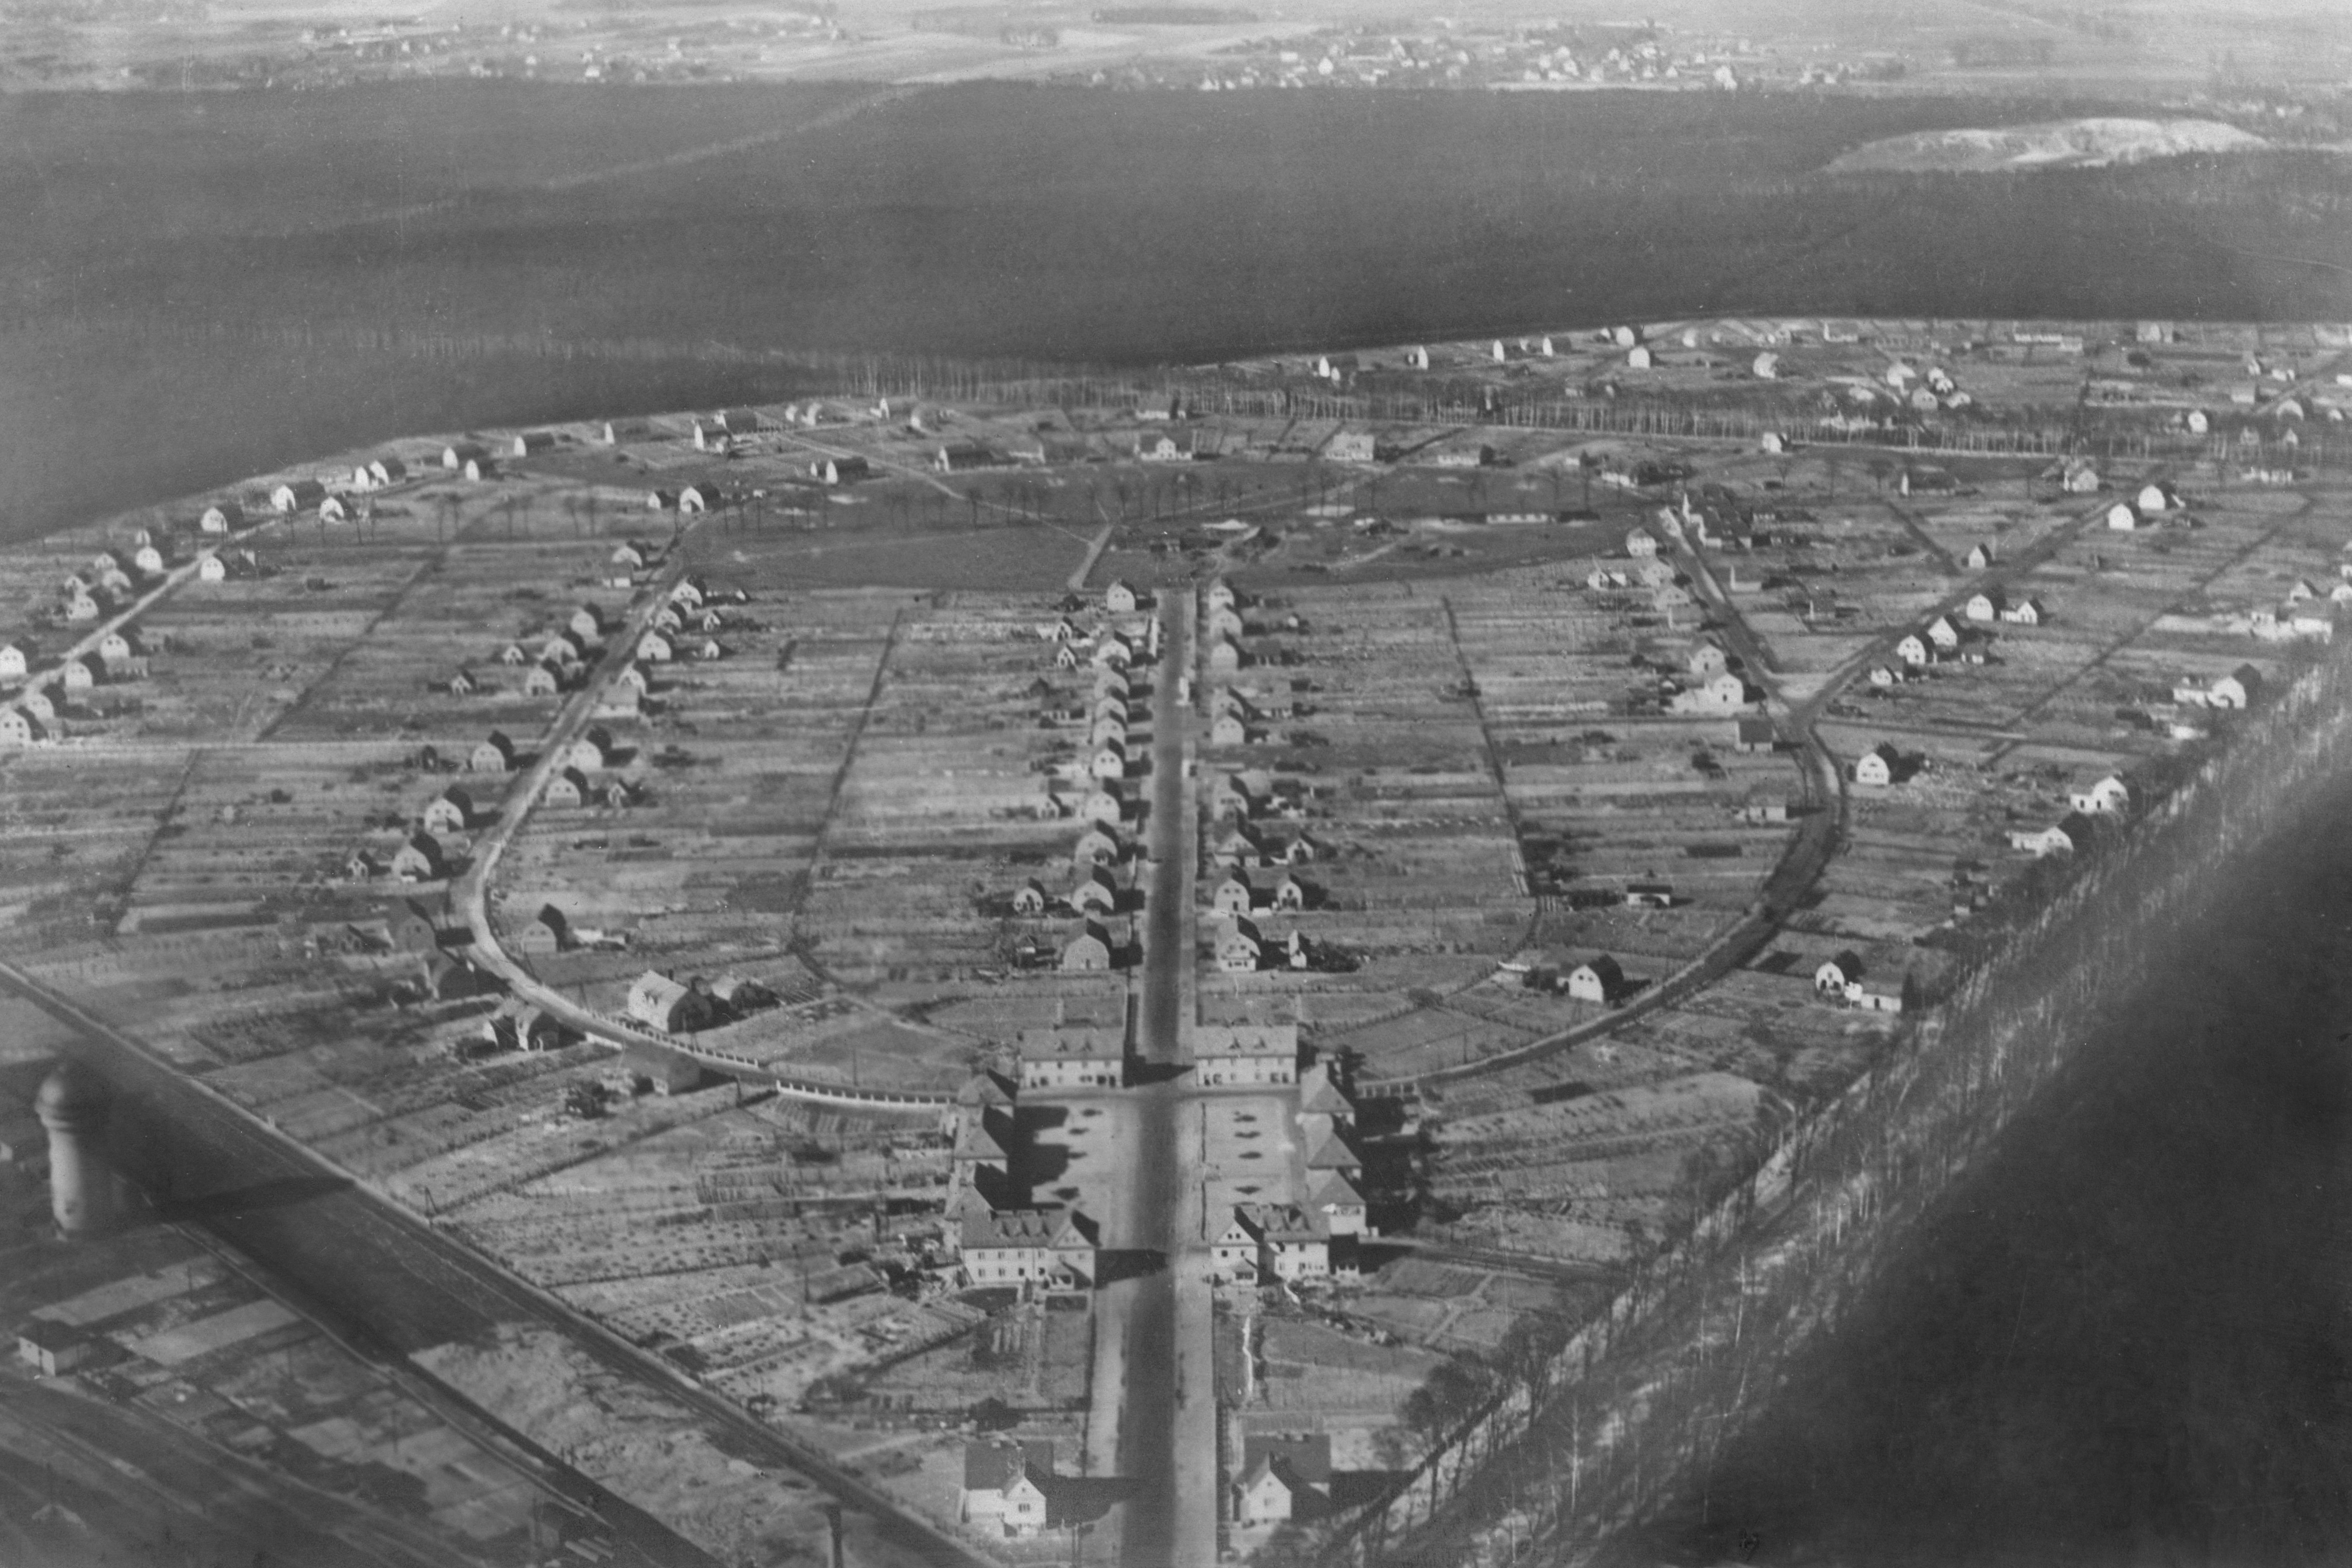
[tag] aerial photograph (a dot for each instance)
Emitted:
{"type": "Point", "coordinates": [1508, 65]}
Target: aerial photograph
{"type": "Point", "coordinates": [1156, 784]}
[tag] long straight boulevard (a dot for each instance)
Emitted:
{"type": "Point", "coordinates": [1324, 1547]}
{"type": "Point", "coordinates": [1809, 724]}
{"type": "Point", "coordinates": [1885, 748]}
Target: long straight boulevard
{"type": "Point", "coordinates": [1168, 1406]}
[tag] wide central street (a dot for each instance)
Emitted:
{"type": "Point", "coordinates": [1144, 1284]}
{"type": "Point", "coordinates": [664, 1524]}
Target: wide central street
{"type": "Point", "coordinates": [1168, 1402]}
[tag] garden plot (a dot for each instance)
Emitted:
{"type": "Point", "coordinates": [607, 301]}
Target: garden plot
{"type": "Point", "coordinates": [1455, 1308]}
{"type": "Point", "coordinates": [470, 607]}
{"type": "Point", "coordinates": [736, 774]}
{"type": "Point", "coordinates": [239, 658]}
{"type": "Point", "coordinates": [1416, 877]}
{"type": "Point", "coordinates": [78, 834]}
{"type": "Point", "coordinates": [955, 799]}
{"type": "Point", "coordinates": [251, 824]}
{"type": "Point", "coordinates": [1312, 1369]}
{"type": "Point", "coordinates": [1032, 1360]}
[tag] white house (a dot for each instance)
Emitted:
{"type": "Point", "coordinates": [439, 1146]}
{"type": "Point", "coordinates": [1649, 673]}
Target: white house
{"type": "Point", "coordinates": [2235, 689]}
{"type": "Point", "coordinates": [1095, 892]}
{"type": "Point", "coordinates": [451, 811]}
{"type": "Point", "coordinates": [1880, 765]}
{"type": "Point", "coordinates": [1087, 951]}
{"type": "Point", "coordinates": [1286, 1241]}
{"type": "Point", "coordinates": [1282, 1478]}
{"type": "Point", "coordinates": [1833, 975]}
{"type": "Point", "coordinates": [671, 1006]}
{"type": "Point", "coordinates": [1245, 1053]}
{"type": "Point", "coordinates": [1724, 693]}
{"type": "Point", "coordinates": [2070, 834]}
{"type": "Point", "coordinates": [1072, 1057]}
{"type": "Point", "coordinates": [296, 494]}
{"type": "Point", "coordinates": [2108, 797]}
{"type": "Point", "coordinates": [1026, 1249]}
{"type": "Point", "coordinates": [1597, 978]}
{"type": "Point", "coordinates": [1238, 948]}
{"type": "Point", "coordinates": [999, 1491]}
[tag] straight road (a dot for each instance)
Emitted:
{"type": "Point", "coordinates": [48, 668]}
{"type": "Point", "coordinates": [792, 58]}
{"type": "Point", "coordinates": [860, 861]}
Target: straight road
{"type": "Point", "coordinates": [1147, 1453]}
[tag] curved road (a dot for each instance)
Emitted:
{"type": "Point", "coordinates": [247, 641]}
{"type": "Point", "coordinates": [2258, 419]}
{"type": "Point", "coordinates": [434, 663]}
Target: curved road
{"type": "Point", "coordinates": [1819, 832]}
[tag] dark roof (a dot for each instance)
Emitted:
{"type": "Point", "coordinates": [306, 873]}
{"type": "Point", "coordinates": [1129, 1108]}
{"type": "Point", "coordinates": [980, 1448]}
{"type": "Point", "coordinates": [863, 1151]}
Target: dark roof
{"type": "Point", "coordinates": [993, 1466]}
{"type": "Point", "coordinates": [1302, 1456]}
{"type": "Point", "coordinates": [48, 1336]}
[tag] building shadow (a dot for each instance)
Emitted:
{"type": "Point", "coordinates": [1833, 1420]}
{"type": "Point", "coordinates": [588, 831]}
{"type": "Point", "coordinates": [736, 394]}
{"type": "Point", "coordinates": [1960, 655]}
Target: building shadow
{"type": "Point", "coordinates": [1113, 1264]}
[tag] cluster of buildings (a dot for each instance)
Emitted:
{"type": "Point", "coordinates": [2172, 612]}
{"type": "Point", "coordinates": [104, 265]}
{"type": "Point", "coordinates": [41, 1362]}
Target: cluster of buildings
{"type": "Point", "coordinates": [1104, 765]}
{"type": "Point", "coordinates": [997, 1238]}
{"type": "Point", "coordinates": [1236, 844]}
{"type": "Point", "coordinates": [117, 656]}
{"type": "Point", "coordinates": [1309, 1237]}
{"type": "Point", "coordinates": [1458, 56]}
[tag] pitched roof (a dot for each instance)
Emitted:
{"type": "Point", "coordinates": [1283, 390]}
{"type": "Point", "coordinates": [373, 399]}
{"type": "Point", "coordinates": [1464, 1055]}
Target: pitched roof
{"type": "Point", "coordinates": [1274, 1040]}
{"type": "Point", "coordinates": [1072, 1043]}
{"type": "Point", "coordinates": [975, 1141]}
{"type": "Point", "coordinates": [1329, 1189]}
{"type": "Point", "coordinates": [1327, 1150]}
{"type": "Point", "coordinates": [1294, 1457]}
{"type": "Point", "coordinates": [992, 1465]}
{"type": "Point", "coordinates": [1320, 1092]}
{"type": "Point", "coordinates": [1278, 1222]}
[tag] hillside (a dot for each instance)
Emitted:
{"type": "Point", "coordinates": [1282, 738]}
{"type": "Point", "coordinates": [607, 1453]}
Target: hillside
{"type": "Point", "coordinates": [2096, 143]}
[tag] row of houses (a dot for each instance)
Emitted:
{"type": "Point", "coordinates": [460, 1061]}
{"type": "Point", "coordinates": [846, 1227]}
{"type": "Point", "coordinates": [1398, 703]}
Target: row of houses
{"type": "Point", "coordinates": [33, 718]}
{"type": "Point", "coordinates": [1291, 1242]}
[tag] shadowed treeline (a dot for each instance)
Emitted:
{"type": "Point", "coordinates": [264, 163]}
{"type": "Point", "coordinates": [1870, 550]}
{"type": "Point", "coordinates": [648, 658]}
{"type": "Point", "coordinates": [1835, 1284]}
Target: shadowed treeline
{"type": "Point", "coordinates": [2122, 1340]}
